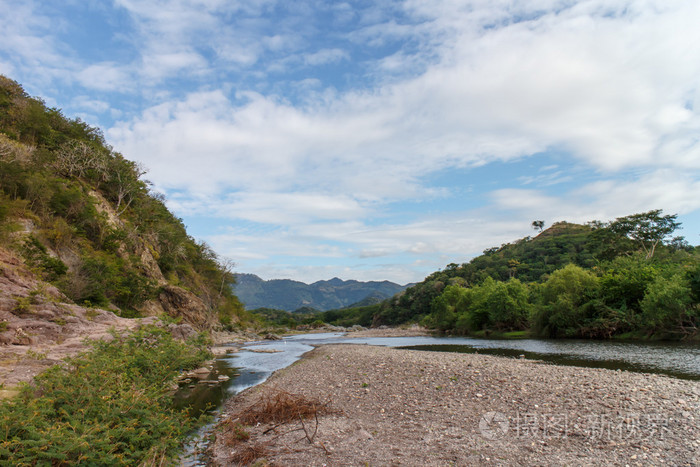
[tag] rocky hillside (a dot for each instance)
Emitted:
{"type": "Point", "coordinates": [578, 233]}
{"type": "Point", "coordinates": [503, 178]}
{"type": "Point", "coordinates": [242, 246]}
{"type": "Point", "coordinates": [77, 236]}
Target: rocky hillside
{"type": "Point", "coordinates": [289, 295]}
{"type": "Point", "coordinates": [81, 225]}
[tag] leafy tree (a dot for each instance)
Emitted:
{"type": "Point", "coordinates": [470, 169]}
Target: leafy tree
{"type": "Point", "coordinates": [625, 280]}
{"type": "Point", "coordinates": [647, 230]}
{"type": "Point", "coordinates": [508, 306]}
{"type": "Point", "coordinates": [443, 315]}
{"type": "Point", "coordinates": [566, 298]}
{"type": "Point", "coordinates": [538, 225]}
{"type": "Point", "coordinates": [667, 307]}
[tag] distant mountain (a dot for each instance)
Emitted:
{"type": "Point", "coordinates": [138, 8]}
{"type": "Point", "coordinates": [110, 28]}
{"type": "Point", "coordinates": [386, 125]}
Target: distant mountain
{"type": "Point", "coordinates": [289, 295]}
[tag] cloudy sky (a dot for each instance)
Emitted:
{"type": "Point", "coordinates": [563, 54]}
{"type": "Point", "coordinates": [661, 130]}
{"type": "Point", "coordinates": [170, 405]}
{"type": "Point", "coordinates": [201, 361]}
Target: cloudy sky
{"type": "Point", "coordinates": [381, 139]}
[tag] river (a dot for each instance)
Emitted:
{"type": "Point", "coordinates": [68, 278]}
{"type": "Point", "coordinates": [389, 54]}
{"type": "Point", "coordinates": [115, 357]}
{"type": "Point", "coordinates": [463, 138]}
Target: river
{"type": "Point", "coordinates": [256, 361]}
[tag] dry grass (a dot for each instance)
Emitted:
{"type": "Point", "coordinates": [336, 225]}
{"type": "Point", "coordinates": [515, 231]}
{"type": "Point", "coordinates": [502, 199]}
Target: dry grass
{"type": "Point", "coordinates": [248, 454]}
{"type": "Point", "coordinates": [275, 408]}
{"type": "Point", "coordinates": [282, 407]}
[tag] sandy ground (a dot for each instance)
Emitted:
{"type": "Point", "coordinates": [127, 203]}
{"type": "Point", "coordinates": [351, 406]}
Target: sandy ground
{"type": "Point", "coordinates": [403, 407]}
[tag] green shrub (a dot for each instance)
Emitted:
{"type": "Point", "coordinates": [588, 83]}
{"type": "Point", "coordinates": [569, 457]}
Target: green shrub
{"type": "Point", "coordinates": [667, 307]}
{"type": "Point", "coordinates": [566, 301]}
{"type": "Point", "coordinates": [37, 256]}
{"type": "Point", "coordinates": [110, 406]}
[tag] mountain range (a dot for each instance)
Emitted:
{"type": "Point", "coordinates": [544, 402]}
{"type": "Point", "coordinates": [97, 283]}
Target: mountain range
{"type": "Point", "coordinates": [290, 295]}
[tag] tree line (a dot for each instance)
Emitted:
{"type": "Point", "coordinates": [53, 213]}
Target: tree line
{"type": "Point", "coordinates": [630, 277]}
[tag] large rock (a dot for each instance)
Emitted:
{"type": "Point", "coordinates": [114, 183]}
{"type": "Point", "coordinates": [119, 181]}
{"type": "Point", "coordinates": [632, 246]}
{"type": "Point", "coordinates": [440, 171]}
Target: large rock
{"type": "Point", "coordinates": [177, 301]}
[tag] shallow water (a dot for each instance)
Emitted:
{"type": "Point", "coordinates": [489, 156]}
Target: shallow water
{"type": "Point", "coordinates": [248, 368]}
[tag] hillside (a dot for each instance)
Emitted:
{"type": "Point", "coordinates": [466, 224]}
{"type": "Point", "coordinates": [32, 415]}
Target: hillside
{"type": "Point", "coordinates": [289, 295]}
{"type": "Point", "coordinates": [527, 259]}
{"type": "Point", "coordinates": [79, 221]}
{"type": "Point", "coordinates": [627, 277]}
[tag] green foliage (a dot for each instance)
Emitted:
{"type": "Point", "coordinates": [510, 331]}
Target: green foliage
{"type": "Point", "coordinates": [625, 280]}
{"type": "Point", "coordinates": [647, 229]}
{"type": "Point", "coordinates": [566, 302]}
{"type": "Point", "coordinates": [59, 172]}
{"type": "Point", "coordinates": [36, 255]}
{"type": "Point", "coordinates": [105, 278]}
{"type": "Point", "coordinates": [528, 260]}
{"type": "Point", "coordinates": [110, 406]}
{"type": "Point", "coordinates": [444, 308]}
{"type": "Point", "coordinates": [22, 305]}
{"type": "Point", "coordinates": [668, 308]}
{"type": "Point", "coordinates": [508, 306]}
{"type": "Point", "coordinates": [570, 281]}
{"type": "Point", "coordinates": [643, 232]}
{"type": "Point", "coordinates": [494, 305]}
{"type": "Point", "coordinates": [348, 317]}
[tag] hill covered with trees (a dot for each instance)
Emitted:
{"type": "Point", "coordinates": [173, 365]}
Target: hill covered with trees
{"type": "Point", "coordinates": [629, 277]}
{"type": "Point", "coordinates": [82, 218]}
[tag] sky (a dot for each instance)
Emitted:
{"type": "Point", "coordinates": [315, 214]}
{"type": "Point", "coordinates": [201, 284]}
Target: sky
{"type": "Point", "coordinates": [379, 140]}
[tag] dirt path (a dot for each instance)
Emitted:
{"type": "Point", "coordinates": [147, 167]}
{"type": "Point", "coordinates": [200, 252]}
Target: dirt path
{"type": "Point", "coordinates": [403, 407]}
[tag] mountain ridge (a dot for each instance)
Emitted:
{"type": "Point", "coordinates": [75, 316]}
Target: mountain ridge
{"type": "Point", "coordinates": [290, 295]}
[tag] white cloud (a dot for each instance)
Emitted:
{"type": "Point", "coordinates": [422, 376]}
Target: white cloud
{"type": "Point", "coordinates": [324, 56]}
{"type": "Point", "coordinates": [289, 209]}
{"type": "Point", "coordinates": [106, 76]}
{"type": "Point", "coordinates": [93, 105]}
{"type": "Point", "coordinates": [610, 86]}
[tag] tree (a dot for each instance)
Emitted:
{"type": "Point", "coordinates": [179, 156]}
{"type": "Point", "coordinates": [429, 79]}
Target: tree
{"type": "Point", "coordinates": [445, 307]}
{"type": "Point", "coordinates": [508, 305]}
{"type": "Point", "coordinates": [227, 266]}
{"type": "Point", "coordinates": [647, 229]}
{"type": "Point", "coordinates": [565, 299]}
{"type": "Point", "coordinates": [667, 307]}
{"type": "Point", "coordinates": [75, 158]}
{"type": "Point", "coordinates": [12, 151]}
{"type": "Point", "coordinates": [538, 225]}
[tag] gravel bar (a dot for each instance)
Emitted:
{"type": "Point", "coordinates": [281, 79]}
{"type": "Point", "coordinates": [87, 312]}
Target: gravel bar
{"type": "Point", "coordinates": [407, 407]}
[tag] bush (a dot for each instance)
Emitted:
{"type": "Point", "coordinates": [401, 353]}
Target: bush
{"type": "Point", "coordinates": [37, 256]}
{"type": "Point", "coordinates": [566, 301]}
{"type": "Point", "coordinates": [110, 406]}
{"type": "Point", "coordinates": [625, 281]}
{"type": "Point", "coordinates": [667, 307]}
{"type": "Point", "coordinates": [445, 308]}
{"type": "Point", "coordinates": [103, 278]}
{"type": "Point", "coordinates": [508, 306]}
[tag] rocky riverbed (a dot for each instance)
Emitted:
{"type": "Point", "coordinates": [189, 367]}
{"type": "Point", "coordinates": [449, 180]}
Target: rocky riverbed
{"type": "Point", "coordinates": [404, 407]}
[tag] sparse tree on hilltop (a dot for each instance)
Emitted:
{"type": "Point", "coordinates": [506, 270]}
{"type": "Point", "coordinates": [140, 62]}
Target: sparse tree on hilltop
{"type": "Point", "coordinates": [538, 225]}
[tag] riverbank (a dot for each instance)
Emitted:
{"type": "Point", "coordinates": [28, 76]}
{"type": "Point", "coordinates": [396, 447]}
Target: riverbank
{"type": "Point", "coordinates": [403, 407]}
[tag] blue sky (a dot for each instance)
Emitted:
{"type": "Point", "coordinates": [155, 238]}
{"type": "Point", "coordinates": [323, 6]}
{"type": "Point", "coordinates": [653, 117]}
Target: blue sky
{"type": "Point", "coordinates": [378, 140]}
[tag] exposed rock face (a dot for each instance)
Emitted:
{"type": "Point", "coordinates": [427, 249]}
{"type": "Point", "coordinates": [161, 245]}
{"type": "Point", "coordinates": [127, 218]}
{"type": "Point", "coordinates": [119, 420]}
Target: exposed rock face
{"type": "Point", "coordinates": [38, 324]}
{"type": "Point", "coordinates": [177, 301]}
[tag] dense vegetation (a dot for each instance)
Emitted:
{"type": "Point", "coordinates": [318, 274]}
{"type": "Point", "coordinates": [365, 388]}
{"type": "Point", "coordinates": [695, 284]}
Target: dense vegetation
{"type": "Point", "coordinates": [300, 319]}
{"type": "Point", "coordinates": [92, 226]}
{"type": "Point", "coordinates": [629, 277]}
{"type": "Point", "coordinates": [110, 406]}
